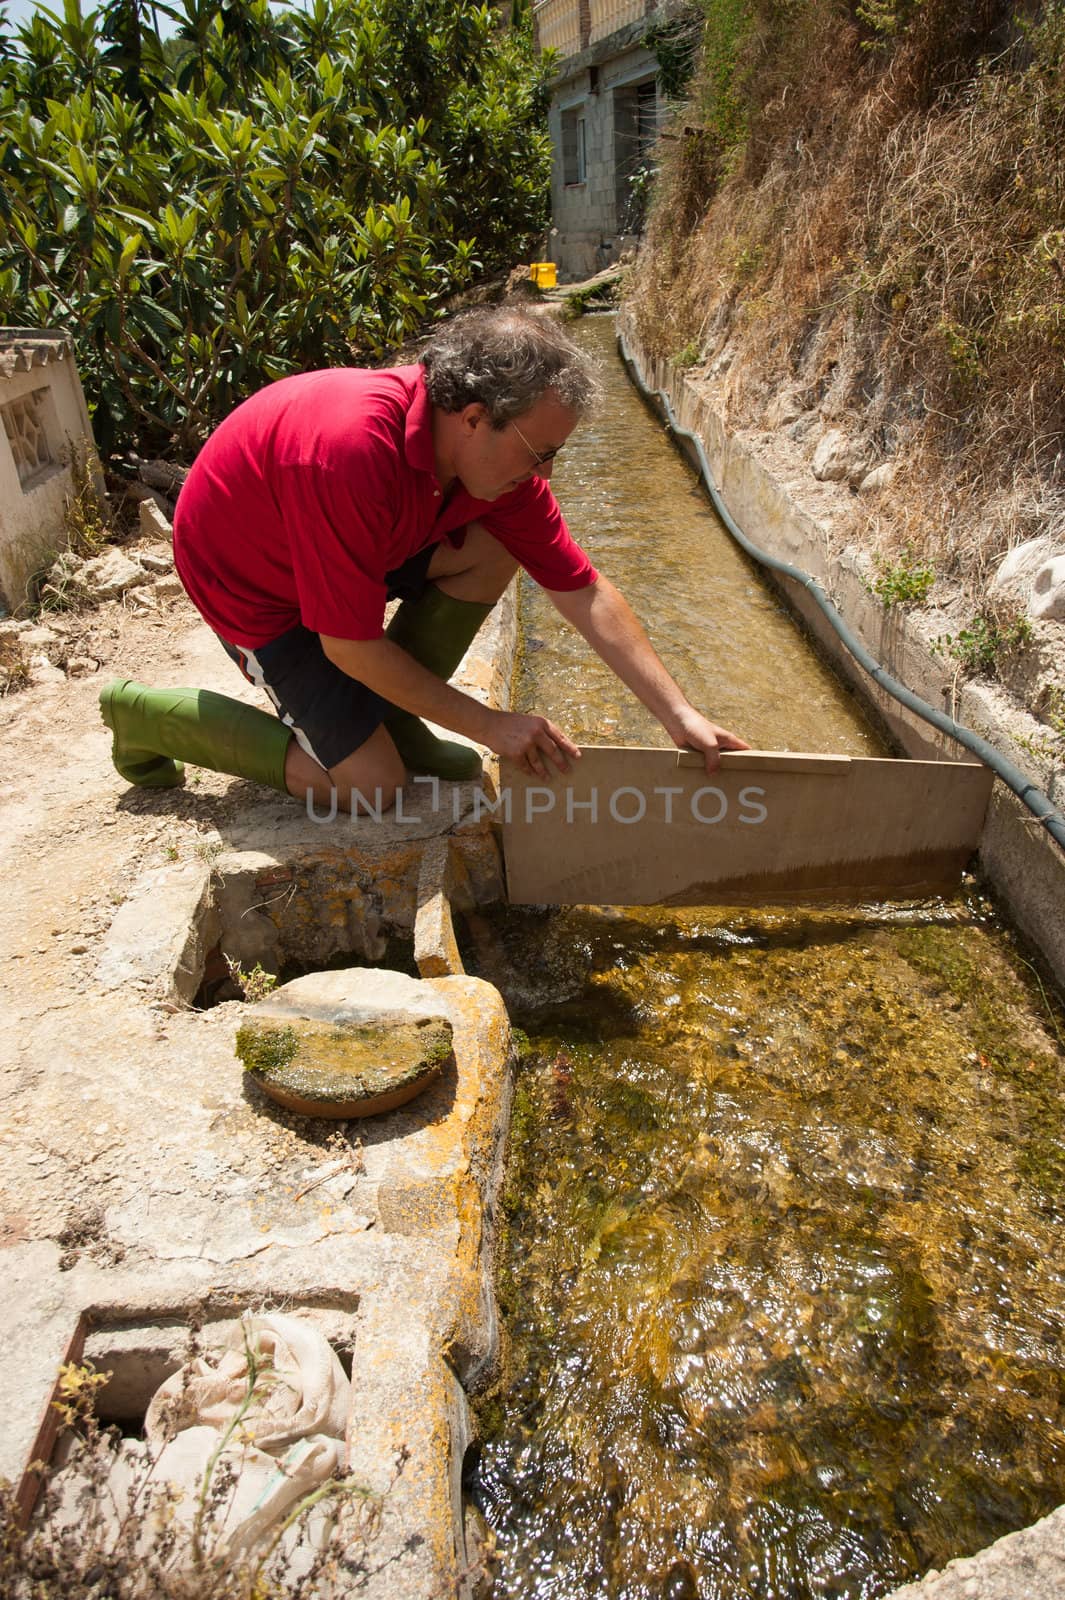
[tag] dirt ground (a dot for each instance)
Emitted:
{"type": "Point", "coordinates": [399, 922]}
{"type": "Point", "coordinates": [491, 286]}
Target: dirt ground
{"type": "Point", "coordinates": [74, 838]}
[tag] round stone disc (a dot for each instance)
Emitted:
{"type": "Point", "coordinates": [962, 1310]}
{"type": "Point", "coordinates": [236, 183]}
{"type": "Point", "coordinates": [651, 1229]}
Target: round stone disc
{"type": "Point", "coordinates": [343, 1069]}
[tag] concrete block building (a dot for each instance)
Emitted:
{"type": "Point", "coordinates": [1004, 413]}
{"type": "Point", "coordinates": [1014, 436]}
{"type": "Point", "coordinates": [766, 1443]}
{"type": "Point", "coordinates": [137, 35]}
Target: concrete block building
{"type": "Point", "coordinates": [605, 110]}
{"type": "Point", "coordinates": [45, 425]}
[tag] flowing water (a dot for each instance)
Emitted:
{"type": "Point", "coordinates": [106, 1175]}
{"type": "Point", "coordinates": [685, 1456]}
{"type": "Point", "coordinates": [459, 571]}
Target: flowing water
{"type": "Point", "coordinates": [782, 1286]}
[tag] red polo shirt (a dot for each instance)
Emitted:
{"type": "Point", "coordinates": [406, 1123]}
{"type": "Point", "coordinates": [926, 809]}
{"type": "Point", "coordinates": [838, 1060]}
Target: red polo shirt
{"type": "Point", "coordinates": [311, 491]}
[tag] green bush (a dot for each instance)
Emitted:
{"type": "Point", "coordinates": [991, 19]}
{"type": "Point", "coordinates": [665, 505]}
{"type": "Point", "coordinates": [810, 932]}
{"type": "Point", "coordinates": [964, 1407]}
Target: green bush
{"type": "Point", "coordinates": [986, 641]}
{"type": "Point", "coordinates": [728, 28]}
{"type": "Point", "coordinates": [905, 582]}
{"type": "Point", "coordinates": [264, 192]}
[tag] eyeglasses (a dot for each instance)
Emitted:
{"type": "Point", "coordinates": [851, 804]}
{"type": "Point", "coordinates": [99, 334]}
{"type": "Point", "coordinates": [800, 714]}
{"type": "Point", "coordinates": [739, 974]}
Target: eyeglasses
{"type": "Point", "coordinates": [541, 457]}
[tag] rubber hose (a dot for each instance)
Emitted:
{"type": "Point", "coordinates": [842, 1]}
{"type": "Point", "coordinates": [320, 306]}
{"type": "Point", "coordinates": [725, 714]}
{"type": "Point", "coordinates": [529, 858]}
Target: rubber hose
{"type": "Point", "coordinates": [1039, 804]}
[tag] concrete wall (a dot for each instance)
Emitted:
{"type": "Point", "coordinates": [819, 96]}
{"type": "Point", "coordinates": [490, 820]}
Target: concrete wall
{"type": "Point", "coordinates": [43, 410]}
{"type": "Point", "coordinates": [591, 221]}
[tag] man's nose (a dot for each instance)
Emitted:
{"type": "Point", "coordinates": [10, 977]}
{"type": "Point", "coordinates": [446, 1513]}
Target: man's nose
{"type": "Point", "coordinates": [544, 469]}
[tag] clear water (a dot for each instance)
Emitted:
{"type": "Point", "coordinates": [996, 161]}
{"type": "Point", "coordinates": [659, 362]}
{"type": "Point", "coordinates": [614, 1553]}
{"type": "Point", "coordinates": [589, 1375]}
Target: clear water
{"type": "Point", "coordinates": [781, 1281]}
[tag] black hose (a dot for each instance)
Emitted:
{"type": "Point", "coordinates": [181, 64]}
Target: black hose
{"type": "Point", "coordinates": [1039, 804]}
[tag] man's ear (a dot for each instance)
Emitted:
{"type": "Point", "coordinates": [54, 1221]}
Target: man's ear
{"type": "Point", "coordinates": [473, 416]}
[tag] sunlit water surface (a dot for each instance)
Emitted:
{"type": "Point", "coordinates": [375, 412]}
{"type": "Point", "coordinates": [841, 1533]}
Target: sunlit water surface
{"type": "Point", "coordinates": [782, 1278]}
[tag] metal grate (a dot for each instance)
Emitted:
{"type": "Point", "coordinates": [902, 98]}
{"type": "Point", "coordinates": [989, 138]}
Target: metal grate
{"type": "Point", "coordinates": [24, 426]}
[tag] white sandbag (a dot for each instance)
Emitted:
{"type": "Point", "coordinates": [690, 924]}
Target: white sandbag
{"type": "Point", "coordinates": [264, 1490]}
{"type": "Point", "coordinates": [248, 1493]}
{"type": "Point", "coordinates": [301, 1387]}
{"type": "Point", "coordinates": [226, 1458]}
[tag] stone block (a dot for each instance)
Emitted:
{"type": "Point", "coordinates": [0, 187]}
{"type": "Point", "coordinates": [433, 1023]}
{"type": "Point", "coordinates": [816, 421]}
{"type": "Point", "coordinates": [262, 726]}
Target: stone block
{"type": "Point", "coordinates": [787, 405]}
{"type": "Point", "coordinates": [42, 671]}
{"type": "Point", "coordinates": [153, 519]}
{"type": "Point", "coordinates": [159, 938]}
{"type": "Point", "coordinates": [1048, 591]}
{"type": "Point", "coordinates": [879, 478]}
{"type": "Point", "coordinates": [157, 558]}
{"type": "Point", "coordinates": [39, 638]}
{"type": "Point", "coordinates": [833, 458]}
{"type": "Point", "coordinates": [1015, 573]}
{"type": "Point", "coordinates": [82, 666]}
{"type": "Point", "coordinates": [110, 575]}
{"type": "Point", "coordinates": [435, 949]}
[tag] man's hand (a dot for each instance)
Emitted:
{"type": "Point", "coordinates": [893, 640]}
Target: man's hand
{"type": "Point", "coordinates": [397, 677]}
{"type": "Point", "coordinates": [691, 731]}
{"type": "Point", "coordinates": [527, 741]}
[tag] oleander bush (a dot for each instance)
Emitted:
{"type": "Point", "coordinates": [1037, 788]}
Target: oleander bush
{"type": "Point", "coordinates": [261, 192]}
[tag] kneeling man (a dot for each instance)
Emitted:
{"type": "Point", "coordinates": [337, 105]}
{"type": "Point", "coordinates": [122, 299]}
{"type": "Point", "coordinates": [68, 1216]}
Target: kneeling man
{"type": "Point", "coordinates": [327, 494]}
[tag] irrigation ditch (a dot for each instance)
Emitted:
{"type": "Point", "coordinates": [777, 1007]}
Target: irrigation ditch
{"type": "Point", "coordinates": [775, 1246]}
{"type": "Point", "coordinates": [782, 1302]}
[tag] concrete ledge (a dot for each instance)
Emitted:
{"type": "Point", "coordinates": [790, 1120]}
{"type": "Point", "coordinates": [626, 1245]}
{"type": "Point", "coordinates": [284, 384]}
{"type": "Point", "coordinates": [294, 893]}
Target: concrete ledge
{"type": "Point", "coordinates": [435, 950]}
{"type": "Point", "coordinates": [1021, 860]}
{"type": "Point", "coordinates": [150, 1184]}
{"type": "Point", "coordinates": [1029, 1565]}
{"type": "Point", "coordinates": [217, 1211]}
{"type": "Point", "coordinates": [284, 885]}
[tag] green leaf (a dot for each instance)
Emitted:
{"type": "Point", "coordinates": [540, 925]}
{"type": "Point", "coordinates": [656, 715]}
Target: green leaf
{"type": "Point", "coordinates": [129, 251]}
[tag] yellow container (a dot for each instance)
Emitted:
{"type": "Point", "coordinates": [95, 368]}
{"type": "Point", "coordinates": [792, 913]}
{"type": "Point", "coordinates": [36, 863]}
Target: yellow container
{"type": "Point", "coordinates": [545, 274]}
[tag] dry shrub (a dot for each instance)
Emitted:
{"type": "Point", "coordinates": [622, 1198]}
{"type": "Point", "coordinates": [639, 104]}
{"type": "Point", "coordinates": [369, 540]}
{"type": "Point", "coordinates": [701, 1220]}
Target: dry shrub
{"type": "Point", "coordinates": [889, 241]}
{"type": "Point", "coordinates": [14, 667]}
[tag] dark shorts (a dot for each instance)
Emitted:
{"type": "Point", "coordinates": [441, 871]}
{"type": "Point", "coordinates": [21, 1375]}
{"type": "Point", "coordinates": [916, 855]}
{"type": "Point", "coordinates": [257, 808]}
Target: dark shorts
{"type": "Point", "coordinates": [330, 714]}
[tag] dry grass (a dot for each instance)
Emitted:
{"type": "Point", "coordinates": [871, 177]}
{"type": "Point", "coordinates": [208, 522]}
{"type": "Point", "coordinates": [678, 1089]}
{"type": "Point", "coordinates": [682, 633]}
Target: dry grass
{"type": "Point", "coordinates": [888, 241]}
{"type": "Point", "coordinates": [14, 667]}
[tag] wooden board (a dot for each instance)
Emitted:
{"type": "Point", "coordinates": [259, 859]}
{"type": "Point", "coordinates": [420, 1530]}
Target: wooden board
{"type": "Point", "coordinates": [651, 827]}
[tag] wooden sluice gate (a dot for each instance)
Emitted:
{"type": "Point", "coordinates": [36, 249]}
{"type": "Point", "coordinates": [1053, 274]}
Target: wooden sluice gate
{"type": "Point", "coordinates": [651, 827]}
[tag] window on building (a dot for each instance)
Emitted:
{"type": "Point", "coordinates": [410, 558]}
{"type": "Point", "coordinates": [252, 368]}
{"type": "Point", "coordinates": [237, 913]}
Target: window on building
{"type": "Point", "coordinates": [574, 147]}
{"type": "Point", "coordinates": [26, 426]}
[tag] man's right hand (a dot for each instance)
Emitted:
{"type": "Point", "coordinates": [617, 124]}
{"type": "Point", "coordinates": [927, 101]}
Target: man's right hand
{"type": "Point", "coordinates": [398, 678]}
{"type": "Point", "coordinates": [530, 742]}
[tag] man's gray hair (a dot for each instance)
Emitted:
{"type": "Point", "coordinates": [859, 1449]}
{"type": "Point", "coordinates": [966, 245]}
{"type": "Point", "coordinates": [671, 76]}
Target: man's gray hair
{"type": "Point", "coordinates": [505, 360]}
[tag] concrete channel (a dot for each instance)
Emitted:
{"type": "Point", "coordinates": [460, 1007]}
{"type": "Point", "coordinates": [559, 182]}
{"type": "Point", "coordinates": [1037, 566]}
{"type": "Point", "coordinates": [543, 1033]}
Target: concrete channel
{"type": "Point", "coordinates": [1017, 855]}
{"type": "Point", "coordinates": [380, 1234]}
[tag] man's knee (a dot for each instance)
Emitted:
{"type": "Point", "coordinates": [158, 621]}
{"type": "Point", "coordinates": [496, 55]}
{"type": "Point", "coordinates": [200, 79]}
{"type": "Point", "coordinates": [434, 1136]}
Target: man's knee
{"type": "Point", "coordinates": [368, 781]}
{"type": "Point", "coordinates": [487, 551]}
{"type": "Point", "coordinates": [481, 564]}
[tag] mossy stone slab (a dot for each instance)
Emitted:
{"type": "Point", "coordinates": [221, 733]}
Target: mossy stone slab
{"type": "Point", "coordinates": [343, 1069]}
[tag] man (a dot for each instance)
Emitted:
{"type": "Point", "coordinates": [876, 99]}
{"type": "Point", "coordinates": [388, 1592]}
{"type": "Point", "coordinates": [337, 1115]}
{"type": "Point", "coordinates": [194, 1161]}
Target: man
{"type": "Point", "coordinates": [327, 494]}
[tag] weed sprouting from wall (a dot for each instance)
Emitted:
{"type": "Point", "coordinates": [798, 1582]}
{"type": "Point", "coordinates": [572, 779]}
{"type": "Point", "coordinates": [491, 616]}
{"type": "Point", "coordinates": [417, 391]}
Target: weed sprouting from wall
{"type": "Point", "coordinates": [87, 517]}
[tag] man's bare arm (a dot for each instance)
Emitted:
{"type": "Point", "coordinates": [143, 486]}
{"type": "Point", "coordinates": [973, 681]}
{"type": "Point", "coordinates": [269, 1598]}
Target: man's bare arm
{"type": "Point", "coordinates": [602, 614]}
{"type": "Point", "coordinates": [389, 671]}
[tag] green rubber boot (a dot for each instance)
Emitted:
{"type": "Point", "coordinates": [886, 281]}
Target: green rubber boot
{"type": "Point", "coordinates": [157, 730]}
{"type": "Point", "coordinates": [436, 630]}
